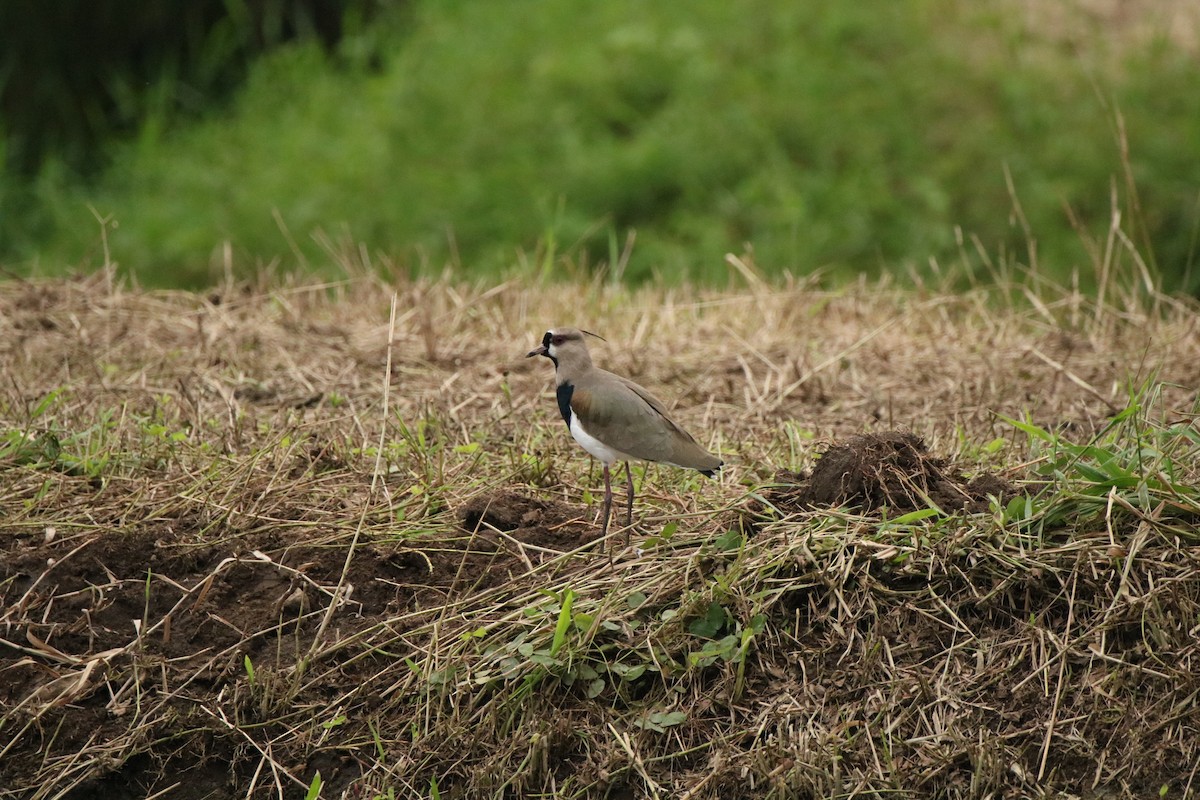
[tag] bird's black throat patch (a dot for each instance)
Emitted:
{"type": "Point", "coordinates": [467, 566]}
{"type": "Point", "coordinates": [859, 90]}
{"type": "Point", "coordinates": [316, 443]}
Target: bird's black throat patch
{"type": "Point", "coordinates": [564, 392]}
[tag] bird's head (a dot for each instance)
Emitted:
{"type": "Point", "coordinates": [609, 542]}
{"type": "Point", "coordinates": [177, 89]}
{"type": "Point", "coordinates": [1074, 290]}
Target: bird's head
{"type": "Point", "coordinates": [565, 347]}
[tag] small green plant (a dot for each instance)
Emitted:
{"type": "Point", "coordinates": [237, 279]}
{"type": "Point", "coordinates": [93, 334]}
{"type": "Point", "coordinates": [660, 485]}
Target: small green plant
{"type": "Point", "coordinates": [36, 450]}
{"type": "Point", "coordinates": [337, 721]}
{"type": "Point", "coordinates": [1131, 468]}
{"type": "Point", "coordinates": [314, 788]}
{"type": "Point", "coordinates": [661, 720]}
{"type": "Point", "coordinates": [249, 667]}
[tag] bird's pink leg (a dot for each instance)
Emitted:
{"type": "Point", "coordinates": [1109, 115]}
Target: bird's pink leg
{"type": "Point", "coordinates": [607, 502]}
{"type": "Point", "coordinates": [628, 500]}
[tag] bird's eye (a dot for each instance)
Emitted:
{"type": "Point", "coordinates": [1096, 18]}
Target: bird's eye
{"type": "Point", "coordinates": [558, 339]}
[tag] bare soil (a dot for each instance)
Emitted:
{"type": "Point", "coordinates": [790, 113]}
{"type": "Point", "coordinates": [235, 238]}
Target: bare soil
{"type": "Point", "coordinates": [219, 604]}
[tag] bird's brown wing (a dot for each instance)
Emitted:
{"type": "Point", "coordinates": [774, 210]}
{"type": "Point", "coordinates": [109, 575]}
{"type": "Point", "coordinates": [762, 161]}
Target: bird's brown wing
{"type": "Point", "coordinates": [628, 418]}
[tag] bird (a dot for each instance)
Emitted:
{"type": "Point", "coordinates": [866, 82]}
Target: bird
{"type": "Point", "coordinates": [615, 419]}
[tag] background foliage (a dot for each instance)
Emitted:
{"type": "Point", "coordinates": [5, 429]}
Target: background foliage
{"type": "Point", "coordinates": [77, 72]}
{"type": "Point", "coordinates": [845, 138]}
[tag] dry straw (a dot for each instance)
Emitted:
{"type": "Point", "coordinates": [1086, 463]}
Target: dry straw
{"type": "Point", "coordinates": [282, 529]}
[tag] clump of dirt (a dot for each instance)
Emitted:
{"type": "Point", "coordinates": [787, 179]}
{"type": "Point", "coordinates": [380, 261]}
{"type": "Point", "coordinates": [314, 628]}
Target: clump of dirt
{"type": "Point", "coordinates": [892, 469]}
{"type": "Point", "coordinates": [529, 520]}
{"type": "Point", "coordinates": [508, 511]}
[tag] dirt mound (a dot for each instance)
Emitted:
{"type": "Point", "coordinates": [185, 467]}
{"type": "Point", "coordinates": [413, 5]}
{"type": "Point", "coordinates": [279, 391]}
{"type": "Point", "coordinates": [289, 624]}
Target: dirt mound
{"type": "Point", "coordinates": [892, 469]}
{"type": "Point", "coordinates": [508, 511]}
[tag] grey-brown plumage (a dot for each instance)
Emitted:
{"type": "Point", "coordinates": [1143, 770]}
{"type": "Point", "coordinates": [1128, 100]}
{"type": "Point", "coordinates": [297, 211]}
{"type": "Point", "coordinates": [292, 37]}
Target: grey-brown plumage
{"type": "Point", "coordinates": [614, 418]}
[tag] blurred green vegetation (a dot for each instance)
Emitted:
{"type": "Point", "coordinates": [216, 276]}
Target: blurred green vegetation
{"type": "Point", "coordinates": [845, 138]}
{"type": "Point", "coordinates": [75, 73]}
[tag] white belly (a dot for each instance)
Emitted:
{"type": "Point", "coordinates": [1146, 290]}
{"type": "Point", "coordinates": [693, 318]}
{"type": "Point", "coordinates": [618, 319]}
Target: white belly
{"type": "Point", "coordinates": [594, 446]}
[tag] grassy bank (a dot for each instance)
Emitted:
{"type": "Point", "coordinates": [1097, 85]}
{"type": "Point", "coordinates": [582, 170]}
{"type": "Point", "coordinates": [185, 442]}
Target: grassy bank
{"type": "Point", "coordinates": [624, 137]}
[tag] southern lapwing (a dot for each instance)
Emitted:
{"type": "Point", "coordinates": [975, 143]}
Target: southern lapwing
{"type": "Point", "coordinates": [615, 419]}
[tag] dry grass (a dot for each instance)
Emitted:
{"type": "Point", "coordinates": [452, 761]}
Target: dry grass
{"type": "Point", "coordinates": [1090, 25]}
{"type": "Point", "coordinates": [281, 530]}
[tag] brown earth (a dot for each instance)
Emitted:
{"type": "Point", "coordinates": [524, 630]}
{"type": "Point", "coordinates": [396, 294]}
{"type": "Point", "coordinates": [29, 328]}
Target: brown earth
{"type": "Point", "coordinates": [213, 606]}
{"type": "Point", "coordinates": [892, 469]}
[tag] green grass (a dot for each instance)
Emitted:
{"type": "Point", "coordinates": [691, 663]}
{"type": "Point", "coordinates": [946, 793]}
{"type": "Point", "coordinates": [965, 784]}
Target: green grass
{"type": "Point", "coordinates": [871, 137]}
{"type": "Point", "coordinates": [1134, 470]}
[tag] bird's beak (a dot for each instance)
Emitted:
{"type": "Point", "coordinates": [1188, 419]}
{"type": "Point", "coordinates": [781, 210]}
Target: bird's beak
{"type": "Point", "coordinates": [540, 351]}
